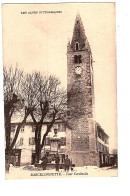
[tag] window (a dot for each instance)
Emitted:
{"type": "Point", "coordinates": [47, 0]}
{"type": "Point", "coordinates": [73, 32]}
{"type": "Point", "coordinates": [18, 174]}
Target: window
{"type": "Point", "coordinates": [63, 141]}
{"type": "Point", "coordinates": [33, 128]}
{"type": "Point", "coordinates": [80, 61]}
{"type": "Point", "coordinates": [12, 128]}
{"type": "Point", "coordinates": [77, 59]}
{"type": "Point", "coordinates": [22, 129]}
{"type": "Point", "coordinates": [77, 46]}
{"type": "Point", "coordinates": [100, 135]}
{"type": "Point", "coordinates": [106, 141]}
{"type": "Point", "coordinates": [103, 149]}
{"type": "Point", "coordinates": [21, 142]}
{"type": "Point", "coordinates": [47, 141]}
{"type": "Point", "coordinates": [61, 127]}
{"type": "Point", "coordinates": [32, 141]}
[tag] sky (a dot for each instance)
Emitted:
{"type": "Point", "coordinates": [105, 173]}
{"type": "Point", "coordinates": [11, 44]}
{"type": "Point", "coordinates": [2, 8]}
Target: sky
{"type": "Point", "coordinates": [39, 42]}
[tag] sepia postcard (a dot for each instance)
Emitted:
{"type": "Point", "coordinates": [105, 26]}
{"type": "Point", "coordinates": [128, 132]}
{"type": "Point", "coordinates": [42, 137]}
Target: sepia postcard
{"type": "Point", "coordinates": [60, 108]}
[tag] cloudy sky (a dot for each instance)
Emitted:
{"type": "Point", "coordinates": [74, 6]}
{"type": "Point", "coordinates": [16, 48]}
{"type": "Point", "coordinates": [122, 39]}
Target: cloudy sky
{"type": "Point", "coordinates": [39, 42]}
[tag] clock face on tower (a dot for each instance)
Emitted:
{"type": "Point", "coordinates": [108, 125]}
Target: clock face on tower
{"type": "Point", "coordinates": [78, 70]}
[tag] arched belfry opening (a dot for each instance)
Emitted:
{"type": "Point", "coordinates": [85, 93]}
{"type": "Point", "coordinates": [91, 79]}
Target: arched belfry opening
{"type": "Point", "coordinates": [77, 46]}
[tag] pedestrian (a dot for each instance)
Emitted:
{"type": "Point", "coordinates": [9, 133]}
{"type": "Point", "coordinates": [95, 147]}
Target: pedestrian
{"type": "Point", "coordinates": [57, 160]}
{"type": "Point", "coordinates": [67, 163]}
{"type": "Point", "coordinates": [44, 162]}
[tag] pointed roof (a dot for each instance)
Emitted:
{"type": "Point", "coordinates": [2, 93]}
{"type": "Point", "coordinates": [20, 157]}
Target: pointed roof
{"type": "Point", "coordinates": [79, 35]}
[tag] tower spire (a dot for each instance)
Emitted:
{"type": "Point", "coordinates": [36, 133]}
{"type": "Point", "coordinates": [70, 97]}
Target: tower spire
{"type": "Point", "coordinates": [79, 35]}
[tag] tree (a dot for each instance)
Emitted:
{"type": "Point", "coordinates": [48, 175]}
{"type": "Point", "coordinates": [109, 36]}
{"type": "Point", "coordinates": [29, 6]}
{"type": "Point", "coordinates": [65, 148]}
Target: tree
{"type": "Point", "coordinates": [31, 94]}
{"type": "Point", "coordinates": [49, 102]}
{"type": "Point", "coordinates": [14, 104]}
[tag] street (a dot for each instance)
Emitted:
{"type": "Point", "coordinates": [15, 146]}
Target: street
{"type": "Point", "coordinates": [30, 172]}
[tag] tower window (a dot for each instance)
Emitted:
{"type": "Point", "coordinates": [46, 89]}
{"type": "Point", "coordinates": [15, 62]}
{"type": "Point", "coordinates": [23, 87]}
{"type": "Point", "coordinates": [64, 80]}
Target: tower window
{"type": "Point", "coordinates": [80, 61]}
{"type": "Point", "coordinates": [77, 46]}
{"type": "Point", "coordinates": [77, 59]}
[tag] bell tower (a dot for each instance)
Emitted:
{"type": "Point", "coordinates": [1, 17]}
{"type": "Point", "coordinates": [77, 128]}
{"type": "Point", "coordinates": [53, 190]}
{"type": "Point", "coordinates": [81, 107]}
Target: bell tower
{"type": "Point", "coordinates": [80, 97]}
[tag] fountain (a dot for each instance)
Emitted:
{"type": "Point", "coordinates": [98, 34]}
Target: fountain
{"type": "Point", "coordinates": [54, 143]}
{"type": "Point", "coordinates": [53, 153]}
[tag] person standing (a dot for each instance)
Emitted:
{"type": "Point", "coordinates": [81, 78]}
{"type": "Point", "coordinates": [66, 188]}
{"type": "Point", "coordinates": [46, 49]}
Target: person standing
{"type": "Point", "coordinates": [57, 160]}
{"type": "Point", "coordinates": [67, 163]}
{"type": "Point", "coordinates": [44, 162]}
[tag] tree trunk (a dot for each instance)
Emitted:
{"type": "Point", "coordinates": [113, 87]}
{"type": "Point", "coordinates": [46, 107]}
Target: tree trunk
{"type": "Point", "coordinates": [37, 150]}
{"type": "Point", "coordinates": [9, 147]}
{"type": "Point", "coordinates": [37, 143]}
{"type": "Point", "coordinates": [17, 133]}
{"type": "Point", "coordinates": [7, 136]}
{"type": "Point", "coordinates": [48, 130]}
{"type": "Point", "coordinates": [8, 112]}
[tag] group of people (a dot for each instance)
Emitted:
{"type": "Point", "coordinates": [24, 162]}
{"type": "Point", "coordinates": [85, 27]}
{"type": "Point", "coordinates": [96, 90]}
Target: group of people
{"type": "Point", "coordinates": [56, 159]}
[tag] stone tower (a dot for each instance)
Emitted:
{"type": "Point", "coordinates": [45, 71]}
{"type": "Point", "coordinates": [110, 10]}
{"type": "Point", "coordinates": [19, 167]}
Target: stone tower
{"type": "Point", "coordinates": [80, 98]}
